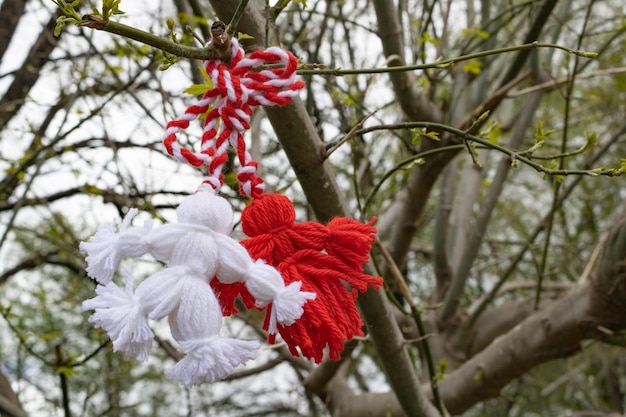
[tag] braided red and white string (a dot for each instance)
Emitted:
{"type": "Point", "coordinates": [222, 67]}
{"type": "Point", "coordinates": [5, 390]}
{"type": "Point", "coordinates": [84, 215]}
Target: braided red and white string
{"type": "Point", "coordinates": [237, 86]}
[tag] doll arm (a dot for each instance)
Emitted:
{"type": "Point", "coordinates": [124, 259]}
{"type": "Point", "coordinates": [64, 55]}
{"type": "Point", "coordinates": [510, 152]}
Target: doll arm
{"type": "Point", "coordinates": [106, 248]}
{"type": "Point", "coordinates": [263, 281]}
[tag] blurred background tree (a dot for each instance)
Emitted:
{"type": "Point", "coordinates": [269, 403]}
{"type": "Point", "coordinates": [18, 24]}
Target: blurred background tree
{"type": "Point", "coordinates": [514, 294]}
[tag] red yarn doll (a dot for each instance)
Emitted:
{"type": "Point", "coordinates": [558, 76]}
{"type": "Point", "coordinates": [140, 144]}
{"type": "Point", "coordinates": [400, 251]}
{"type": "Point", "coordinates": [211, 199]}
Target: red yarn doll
{"type": "Point", "coordinates": [323, 258]}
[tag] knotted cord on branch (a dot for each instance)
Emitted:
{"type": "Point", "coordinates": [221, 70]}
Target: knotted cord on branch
{"type": "Point", "coordinates": [238, 85]}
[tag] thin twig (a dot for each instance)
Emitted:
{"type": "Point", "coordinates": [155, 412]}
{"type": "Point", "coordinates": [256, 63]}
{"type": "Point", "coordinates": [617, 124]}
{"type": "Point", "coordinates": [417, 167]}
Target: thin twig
{"type": "Point", "coordinates": [445, 63]}
{"type": "Point", "coordinates": [62, 362]}
{"type": "Point", "coordinates": [348, 135]}
{"type": "Point", "coordinates": [552, 84]}
{"type": "Point", "coordinates": [513, 154]}
{"type": "Point", "coordinates": [197, 37]}
{"type": "Point", "coordinates": [97, 22]}
{"type": "Point", "coordinates": [234, 21]}
{"type": "Point", "coordinates": [402, 165]}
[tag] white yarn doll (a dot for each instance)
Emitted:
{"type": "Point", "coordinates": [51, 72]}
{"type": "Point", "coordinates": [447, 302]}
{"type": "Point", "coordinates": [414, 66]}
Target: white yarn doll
{"type": "Point", "coordinates": [197, 248]}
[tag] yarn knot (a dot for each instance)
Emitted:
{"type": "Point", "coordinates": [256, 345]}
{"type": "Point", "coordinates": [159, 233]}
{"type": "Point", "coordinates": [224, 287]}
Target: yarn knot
{"type": "Point", "coordinates": [237, 86]}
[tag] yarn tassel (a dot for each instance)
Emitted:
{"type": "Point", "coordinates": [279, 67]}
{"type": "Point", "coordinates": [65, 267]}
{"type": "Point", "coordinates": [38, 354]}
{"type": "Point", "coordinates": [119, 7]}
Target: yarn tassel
{"type": "Point", "coordinates": [228, 293]}
{"type": "Point", "coordinates": [332, 318]}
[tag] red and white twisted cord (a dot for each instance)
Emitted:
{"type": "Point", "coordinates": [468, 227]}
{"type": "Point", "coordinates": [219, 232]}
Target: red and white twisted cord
{"type": "Point", "coordinates": [237, 86]}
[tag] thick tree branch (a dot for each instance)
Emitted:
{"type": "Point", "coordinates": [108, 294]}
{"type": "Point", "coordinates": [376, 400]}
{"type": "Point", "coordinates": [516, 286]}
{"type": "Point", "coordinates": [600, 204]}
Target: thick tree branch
{"type": "Point", "coordinates": [416, 107]}
{"type": "Point", "coordinates": [13, 99]}
{"type": "Point", "coordinates": [10, 405]}
{"type": "Point", "coordinates": [346, 403]}
{"type": "Point", "coordinates": [498, 321]}
{"type": "Point", "coordinates": [555, 332]}
{"type": "Point", "coordinates": [10, 13]}
{"type": "Point", "coordinates": [423, 177]}
{"type": "Point", "coordinates": [303, 147]}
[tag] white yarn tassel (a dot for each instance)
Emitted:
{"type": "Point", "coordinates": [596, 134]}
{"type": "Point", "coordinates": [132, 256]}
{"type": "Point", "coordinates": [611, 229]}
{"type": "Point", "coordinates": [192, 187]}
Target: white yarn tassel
{"type": "Point", "coordinates": [106, 248]}
{"type": "Point", "coordinates": [120, 314]}
{"type": "Point", "coordinates": [196, 324]}
{"type": "Point", "coordinates": [287, 305]}
{"type": "Point", "coordinates": [210, 359]}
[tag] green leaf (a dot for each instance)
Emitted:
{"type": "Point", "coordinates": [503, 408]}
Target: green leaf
{"type": "Point", "coordinates": [592, 140]}
{"type": "Point", "coordinates": [540, 134]}
{"type": "Point", "coordinates": [348, 101]}
{"type": "Point", "coordinates": [197, 89]}
{"type": "Point", "coordinates": [244, 36]}
{"type": "Point", "coordinates": [475, 31]}
{"type": "Point", "coordinates": [598, 171]}
{"type": "Point", "coordinates": [68, 371]}
{"type": "Point", "coordinates": [482, 34]}
{"type": "Point", "coordinates": [90, 189]}
{"type": "Point", "coordinates": [493, 131]}
{"type": "Point", "coordinates": [473, 66]}
{"type": "Point", "coordinates": [60, 25]}
{"type": "Point", "coordinates": [443, 365]}
{"type": "Point", "coordinates": [110, 7]}
{"type": "Point", "coordinates": [206, 77]}
{"type": "Point", "coordinates": [422, 131]}
{"type": "Point", "coordinates": [426, 38]}
{"type": "Point", "coordinates": [619, 171]}
{"type": "Point", "coordinates": [540, 138]}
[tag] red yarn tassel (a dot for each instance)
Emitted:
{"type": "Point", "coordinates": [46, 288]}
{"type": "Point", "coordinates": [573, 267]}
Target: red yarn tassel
{"type": "Point", "coordinates": [228, 293]}
{"type": "Point", "coordinates": [296, 250]}
{"type": "Point", "coordinates": [332, 318]}
{"type": "Point", "coordinates": [350, 240]}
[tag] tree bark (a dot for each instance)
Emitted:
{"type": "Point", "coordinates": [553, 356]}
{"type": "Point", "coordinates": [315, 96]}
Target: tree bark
{"type": "Point", "coordinates": [28, 74]}
{"type": "Point", "coordinates": [588, 311]}
{"type": "Point", "coordinates": [11, 12]}
{"type": "Point", "coordinates": [303, 147]}
{"type": "Point", "coordinates": [9, 403]}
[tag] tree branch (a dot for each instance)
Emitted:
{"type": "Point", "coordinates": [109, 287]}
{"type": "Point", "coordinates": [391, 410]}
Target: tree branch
{"type": "Point", "coordinates": [13, 99]}
{"type": "Point", "coordinates": [555, 332]}
{"type": "Point", "coordinates": [10, 405]}
{"type": "Point", "coordinates": [306, 155]}
{"type": "Point", "coordinates": [11, 12]}
{"type": "Point", "coordinates": [479, 227]}
{"type": "Point", "coordinates": [94, 21]}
